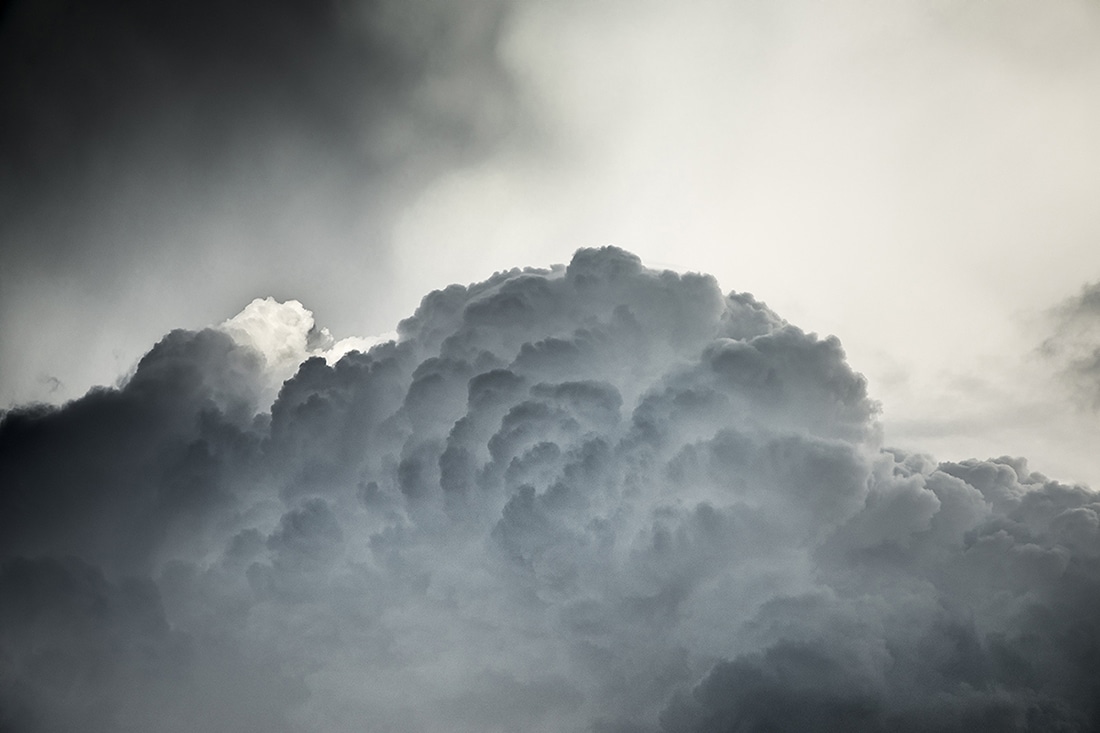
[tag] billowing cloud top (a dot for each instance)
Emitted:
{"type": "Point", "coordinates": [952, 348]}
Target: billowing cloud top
{"type": "Point", "coordinates": [584, 498]}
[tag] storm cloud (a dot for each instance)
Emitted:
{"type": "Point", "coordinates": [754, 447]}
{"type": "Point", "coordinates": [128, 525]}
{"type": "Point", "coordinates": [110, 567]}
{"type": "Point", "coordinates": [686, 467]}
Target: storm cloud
{"type": "Point", "coordinates": [201, 143]}
{"type": "Point", "coordinates": [594, 497]}
{"type": "Point", "coordinates": [146, 88]}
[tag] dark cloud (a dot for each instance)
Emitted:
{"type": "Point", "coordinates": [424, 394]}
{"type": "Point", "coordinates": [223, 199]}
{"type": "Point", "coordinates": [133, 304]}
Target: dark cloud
{"type": "Point", "coordinates": [595, 497]}
{"type": "Point", "coordinates": [125, 466]}
{"type": "Point", "coordinates": [82, 652]}
{"type": "Point", "coordinates": [152, 151]}
{"type": "Point", "coordinates": [87, 86]}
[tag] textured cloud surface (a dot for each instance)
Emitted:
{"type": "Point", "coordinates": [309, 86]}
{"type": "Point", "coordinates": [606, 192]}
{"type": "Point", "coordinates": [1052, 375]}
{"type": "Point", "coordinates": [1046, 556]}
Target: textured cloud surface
{"type": "Point", "coordinates": [587, 498]}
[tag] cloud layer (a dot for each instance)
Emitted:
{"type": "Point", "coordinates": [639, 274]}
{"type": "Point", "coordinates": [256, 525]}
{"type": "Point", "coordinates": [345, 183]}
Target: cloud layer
{"type": "Point", "coordinates": [586, 498]}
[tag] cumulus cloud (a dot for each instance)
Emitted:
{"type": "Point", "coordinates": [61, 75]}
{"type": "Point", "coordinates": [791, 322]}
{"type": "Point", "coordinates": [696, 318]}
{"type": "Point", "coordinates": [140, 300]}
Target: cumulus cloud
{"type": "Point", "coordinates": [285, 335]}
{"type": "Point", "coordinates": [594, 497]}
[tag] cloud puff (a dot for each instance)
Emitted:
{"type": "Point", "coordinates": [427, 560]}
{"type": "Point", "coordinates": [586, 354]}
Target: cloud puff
{"type": "Point", "coordinates": [594, 498]}
{"type": "Point", "coordinates": [285, 335]}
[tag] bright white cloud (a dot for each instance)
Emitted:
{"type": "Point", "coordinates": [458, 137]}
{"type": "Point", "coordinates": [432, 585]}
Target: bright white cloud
{"type": "Point", "coordinates": [285, 335]}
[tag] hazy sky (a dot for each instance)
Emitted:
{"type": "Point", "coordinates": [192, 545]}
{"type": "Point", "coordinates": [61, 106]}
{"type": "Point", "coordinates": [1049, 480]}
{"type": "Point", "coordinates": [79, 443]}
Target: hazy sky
{"type": "Point", "coordinates": [610, 497]}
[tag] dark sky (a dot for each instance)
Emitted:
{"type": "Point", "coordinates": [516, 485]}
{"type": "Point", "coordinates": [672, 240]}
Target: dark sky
{"type": "Point", "coordinates": [173, 160]}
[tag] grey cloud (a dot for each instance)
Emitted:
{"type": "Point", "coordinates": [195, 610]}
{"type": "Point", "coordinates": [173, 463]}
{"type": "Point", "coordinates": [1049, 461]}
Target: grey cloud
{"type": "Point", "coordinates": [203, 144]}
{"type": "Point", "coordinates": [85, 77]}
{"type": "Point", "coordinates": [790, 687]}
{"type": "Point", "coordinates": [1074, 346]}
{"type": "Point", "coordinates": [82, 652]}
{"type": "Point", "coordinates": [126, 468]}
{"type": "Point", "coordinates": [307, 538]}
{"type": "Point", "coordinates": [594, 497]}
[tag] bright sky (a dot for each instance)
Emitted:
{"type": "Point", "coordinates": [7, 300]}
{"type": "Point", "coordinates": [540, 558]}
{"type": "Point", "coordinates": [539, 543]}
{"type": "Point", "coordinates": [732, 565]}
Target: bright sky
{"type": "Point", "coordinates": [915, 178]}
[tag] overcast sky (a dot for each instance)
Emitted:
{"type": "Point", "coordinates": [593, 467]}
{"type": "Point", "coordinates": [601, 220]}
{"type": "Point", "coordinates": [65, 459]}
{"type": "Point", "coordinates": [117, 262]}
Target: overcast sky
{"type": "Point", "coordinates": [610, 497]}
